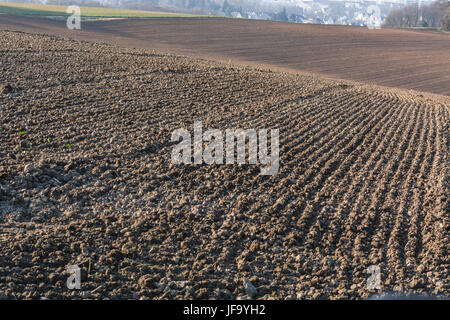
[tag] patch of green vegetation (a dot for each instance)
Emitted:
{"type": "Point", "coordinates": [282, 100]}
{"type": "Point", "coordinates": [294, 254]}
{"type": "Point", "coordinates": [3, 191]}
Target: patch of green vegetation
{"type": "Point", "coordinates": [56, 10]}
{"type": "Point", "coordinates": [25, 11]}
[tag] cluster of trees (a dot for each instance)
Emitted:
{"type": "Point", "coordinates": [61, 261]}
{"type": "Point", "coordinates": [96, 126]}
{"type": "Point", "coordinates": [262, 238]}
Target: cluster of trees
{"type": "Point", "coordinates": [436, 14]}
{"type": "Point", "coordinates": [281, 16]}
{"type": "Point", "coordinates": [228, 8]}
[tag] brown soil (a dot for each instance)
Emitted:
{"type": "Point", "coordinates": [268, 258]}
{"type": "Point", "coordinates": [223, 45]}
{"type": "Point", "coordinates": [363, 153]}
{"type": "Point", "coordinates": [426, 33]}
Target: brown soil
{"type": "Point", "coordinates": [86, 178]}
{"type": "Point", "coordinates": [397, 58]}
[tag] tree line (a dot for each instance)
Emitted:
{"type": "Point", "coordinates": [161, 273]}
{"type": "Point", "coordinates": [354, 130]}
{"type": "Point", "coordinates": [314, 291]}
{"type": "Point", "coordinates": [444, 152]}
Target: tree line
{"type": "Point", "coordinates": [436, 14]}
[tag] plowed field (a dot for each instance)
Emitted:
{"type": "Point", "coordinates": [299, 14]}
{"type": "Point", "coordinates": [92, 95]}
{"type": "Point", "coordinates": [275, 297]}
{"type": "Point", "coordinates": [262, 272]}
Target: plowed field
{"type": "Point", "coordinates": [407, 59]}
{"type": "Point", "coordinates": [86, 178]}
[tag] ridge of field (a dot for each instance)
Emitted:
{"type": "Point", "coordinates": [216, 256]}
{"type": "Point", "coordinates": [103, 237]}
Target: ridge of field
{"type": "Point", "coordinates": [86, 178]}
{"type": "Point", "coordinates": [407, 59]}
{"type": "Point", "coordinates": [59, 10]}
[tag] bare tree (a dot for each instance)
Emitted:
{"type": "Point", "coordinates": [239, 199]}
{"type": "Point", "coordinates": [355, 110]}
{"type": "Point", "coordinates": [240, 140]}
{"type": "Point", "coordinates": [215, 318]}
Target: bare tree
{"type": "Point", "coordinates": [434, 15]}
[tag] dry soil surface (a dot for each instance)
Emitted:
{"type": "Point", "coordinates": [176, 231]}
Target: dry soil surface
{"type": "Point", "coordinates": [86, 178]}
{"type": "Point", "coordinates": [397, 58]}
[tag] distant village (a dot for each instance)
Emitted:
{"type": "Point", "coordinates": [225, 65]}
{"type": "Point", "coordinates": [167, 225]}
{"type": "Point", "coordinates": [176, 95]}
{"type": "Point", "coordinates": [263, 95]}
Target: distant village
{"type": "Point", "coordinates": [360, 13]}
{"type": "Point", "coordinates": [342, 12]}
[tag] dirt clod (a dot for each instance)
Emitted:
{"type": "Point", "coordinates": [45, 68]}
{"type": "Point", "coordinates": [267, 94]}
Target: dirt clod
{"type": "Point", "coordinates": [362, 185]}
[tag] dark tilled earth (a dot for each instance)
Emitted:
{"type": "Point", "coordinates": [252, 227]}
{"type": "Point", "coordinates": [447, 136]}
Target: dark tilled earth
{"type": "Point", "coordinates": [86, 179]}
{"type": "Point", "coordinates": [409, 59]}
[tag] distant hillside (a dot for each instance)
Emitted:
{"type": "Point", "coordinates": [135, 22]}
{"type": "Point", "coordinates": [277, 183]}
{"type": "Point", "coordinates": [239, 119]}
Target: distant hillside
{"type": "Point", "coordinates": [86, 11]}
{"type": "Point", "coordinates": [341, 12]}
